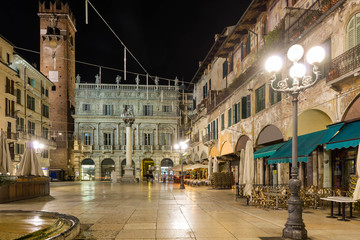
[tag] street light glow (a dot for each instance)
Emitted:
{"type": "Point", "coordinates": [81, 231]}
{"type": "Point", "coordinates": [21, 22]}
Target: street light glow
{"type": "Point", "coordinates": [295, 53]}
{"type": "Point", "coordinates": [273, 64]}
{"type": "Point", "coordinates": [315, 55]}
{"type": "Point", "coordinates": [297, 70]}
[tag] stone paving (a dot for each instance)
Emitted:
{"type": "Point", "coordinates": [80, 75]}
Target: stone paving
{"type": "Point", "coordinates": [163, 211]}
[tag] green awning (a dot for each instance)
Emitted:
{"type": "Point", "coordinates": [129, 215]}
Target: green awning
{"type": "Point", "coordinates": [306, 144]}
{"type": "Point", "coordinates": [331, 131]}
{"type": "Point", "coordinates": [267, 151]}
{"type": "Point", "coordinates": [349, 136]}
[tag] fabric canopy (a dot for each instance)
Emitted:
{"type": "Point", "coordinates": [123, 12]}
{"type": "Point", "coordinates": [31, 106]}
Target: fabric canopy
{"type": "Point", "coordinates": [267, 151]}
{"type": "Point", "coordinates": [5, 158]}
{"type": "Point", "coordinates": [29, 164]}
{"type": "Point", "coordinates": [249, 168]}
{"type": "Point", "coordinates": [349, 136]}
{"type": "Point", "coordinates": [306, 144]}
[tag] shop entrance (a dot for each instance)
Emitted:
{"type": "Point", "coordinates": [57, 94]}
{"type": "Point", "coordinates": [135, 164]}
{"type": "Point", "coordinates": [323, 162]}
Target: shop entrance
{"type": "Point", "coordinates": [107, 166]}
{"type": "Point", "coordinates": [88, 170]}
{"type": "Point", "coordinates": [147, 168]}
{"type": "Point", "coordinates": [167, 174]}
{"type": "Point", "coordinates": [343, 166]}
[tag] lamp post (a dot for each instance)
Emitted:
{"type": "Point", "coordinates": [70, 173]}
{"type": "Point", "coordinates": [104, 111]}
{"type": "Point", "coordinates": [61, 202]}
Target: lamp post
{"type": "Point", "coordinates": [182, 146]}
{"type": "Point", "coordinates": [295, 227]}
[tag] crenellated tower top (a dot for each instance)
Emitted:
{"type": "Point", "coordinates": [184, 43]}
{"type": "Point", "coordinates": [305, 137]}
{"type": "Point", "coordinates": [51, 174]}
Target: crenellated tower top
{"type": "Point", "coordinates": [57, 8]}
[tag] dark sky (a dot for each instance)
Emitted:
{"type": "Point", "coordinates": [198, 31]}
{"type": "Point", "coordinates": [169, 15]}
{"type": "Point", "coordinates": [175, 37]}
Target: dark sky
{"type": "Point", "coordinates": [169, 38]}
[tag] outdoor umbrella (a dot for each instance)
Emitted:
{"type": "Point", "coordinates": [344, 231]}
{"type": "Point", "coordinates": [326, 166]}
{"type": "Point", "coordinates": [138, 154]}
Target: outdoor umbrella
{"type": "Point", "coordinates": [241, 167]}
{"type": "Point", "coordinates": [29, 164]}
{"type": "Point", "coordinates": [216, 165]}
{"type": "Point", "coordinates": [356, 195]}
{"type": "Point", "coordinates": [249, 168]}
{"type": "Point", "coordinates": [5, 161]}
{"type": "Point", "coordinates": [210, 167]}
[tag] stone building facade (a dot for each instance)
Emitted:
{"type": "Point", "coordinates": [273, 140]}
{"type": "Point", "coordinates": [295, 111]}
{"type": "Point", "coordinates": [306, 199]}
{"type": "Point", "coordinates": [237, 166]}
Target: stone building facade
{"type": "Point", "coordinates": [57, 62]}
{"type": "Point", "coordinates": [25, 97]}
{"type": "Point", "coordinates": [100, 142]}
{"type": "Point", "coordinates": [235, 103]}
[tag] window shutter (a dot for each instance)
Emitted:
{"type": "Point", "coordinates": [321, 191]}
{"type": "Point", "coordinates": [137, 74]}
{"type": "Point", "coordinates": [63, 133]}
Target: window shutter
{"type": "Point", "coordinates": [111, 110]}
{"type": "Point", "coordinates": [248, 106]}
{"type": "Point", "coordinates": [357, 41]}
{"type": "Point", "coordinates": [151, 139]}
{"type": "Point", "coordinates": [151, 110]}
{"type": "Point", "coordinates": [350, 32]}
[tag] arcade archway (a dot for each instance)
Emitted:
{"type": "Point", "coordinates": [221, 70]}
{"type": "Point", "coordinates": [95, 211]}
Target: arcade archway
{"type": "Point", "coordinates": [107, 166]}
{"type": "Point", "coordinates": [166, 172]}
{"type": "Point", "coordinates": [88, 170]}
{"type": "Point", "coordinates": [147, 167]}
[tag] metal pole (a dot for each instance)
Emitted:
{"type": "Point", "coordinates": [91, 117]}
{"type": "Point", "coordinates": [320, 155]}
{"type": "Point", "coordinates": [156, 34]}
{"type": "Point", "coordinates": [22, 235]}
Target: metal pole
{"type": "Point", "coordinates": [295, 227]}
{"type": "Point", "coordinates": [182, 186]}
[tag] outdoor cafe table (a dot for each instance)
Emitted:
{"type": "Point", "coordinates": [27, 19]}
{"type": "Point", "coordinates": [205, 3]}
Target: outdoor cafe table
{"type": "Point", "coordinates": [340, 200]}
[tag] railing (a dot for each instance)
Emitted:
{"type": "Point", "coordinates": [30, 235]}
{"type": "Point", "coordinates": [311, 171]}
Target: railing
{"type": "Point", "coordinates": [86, 148]}
{"type": "Point", "coordinates": [309, 16]}
{"type": "Point", "coordinates": [107, 148]}
{"type": "Point", "coordinates": [345, 63]}
{"type": "Point", "coordinates": [167, 148]}
{"type": "Point", "coordinates": [147, 148]}
{"type": "Point", "coordinates": [11, 135]}
{"type": "Point", "coordinates": [126, 87]}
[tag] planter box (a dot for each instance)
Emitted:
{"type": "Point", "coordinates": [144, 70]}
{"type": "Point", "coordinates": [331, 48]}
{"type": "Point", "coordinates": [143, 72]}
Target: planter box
{"type": "Point", "coordinates": [25, 188]}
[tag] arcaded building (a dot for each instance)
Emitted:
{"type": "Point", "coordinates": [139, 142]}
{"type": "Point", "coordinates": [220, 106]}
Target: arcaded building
{"type": "Point", "coordinates": [100, 132]}
{"type": "Point", "coordinates": [234, 102]}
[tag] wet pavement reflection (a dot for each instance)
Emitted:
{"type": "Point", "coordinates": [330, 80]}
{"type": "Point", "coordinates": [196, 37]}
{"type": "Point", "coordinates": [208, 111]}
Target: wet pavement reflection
{"type": "Point", "coordinates": [163, 211]}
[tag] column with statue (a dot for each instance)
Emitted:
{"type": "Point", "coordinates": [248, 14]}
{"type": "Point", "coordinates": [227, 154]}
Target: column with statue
{"type": "Point", "coordinates": [129, 119]}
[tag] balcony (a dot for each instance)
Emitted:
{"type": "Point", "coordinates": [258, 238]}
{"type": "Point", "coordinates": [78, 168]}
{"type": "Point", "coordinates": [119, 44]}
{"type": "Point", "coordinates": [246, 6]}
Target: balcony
{"type": "Point", "coordinates": [11, 136]}
{"type": "Point", "coordinates": [87, 148]}
{"type": "Point", "coordinates": [166, 148]}
{"type": "Point", "coordinates": [107, 148]}
{"type": "Point", "coordinates": [208, 139]}
{"type": "Point", "coordinates": [345, 65]}
{"type": "Point", "coordinates": [194, 138]}
{"type": "Point", "coordinates": [147, 148]}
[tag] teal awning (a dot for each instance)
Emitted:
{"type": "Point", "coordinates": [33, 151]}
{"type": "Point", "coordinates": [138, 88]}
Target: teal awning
{"type": "Point", "coordinates": [331, 131]}
{"type": "Point", "coordinates": [306, 144]}
{"type": "Point", "coordinates": [267, 151]}
{"type": "Point", "coordinates": [349, 136]}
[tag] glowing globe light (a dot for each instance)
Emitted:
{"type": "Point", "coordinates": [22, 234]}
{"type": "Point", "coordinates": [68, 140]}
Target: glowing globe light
{"type": "Point", "coordinates": [176, 146]}
{"type": "Point", "coordinates": [315, 55]}
{"type": "Point", "coordinates": [273, 64]}
{"type": "Point", "coordinates": [295, 53]}
{"type": "Point", "coordinates": [297, 70]}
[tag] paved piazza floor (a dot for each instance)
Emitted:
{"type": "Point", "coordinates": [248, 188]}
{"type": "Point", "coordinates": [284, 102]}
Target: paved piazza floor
{"type": "Point", "coordinates": [163, 211]}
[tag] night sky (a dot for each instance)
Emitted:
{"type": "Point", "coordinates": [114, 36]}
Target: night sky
{"type": "Point", "coordinates": [169, 38]}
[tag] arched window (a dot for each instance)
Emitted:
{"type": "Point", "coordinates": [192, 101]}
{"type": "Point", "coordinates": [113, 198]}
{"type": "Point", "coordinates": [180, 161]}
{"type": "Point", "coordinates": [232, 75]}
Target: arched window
{"type": "Point", "coordinates": [353, 32]}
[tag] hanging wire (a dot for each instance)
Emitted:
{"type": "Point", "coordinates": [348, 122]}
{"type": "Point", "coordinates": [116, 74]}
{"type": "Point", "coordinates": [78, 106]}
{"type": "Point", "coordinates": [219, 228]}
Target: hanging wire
{"type": "Point", "coordinates": [99, 66]}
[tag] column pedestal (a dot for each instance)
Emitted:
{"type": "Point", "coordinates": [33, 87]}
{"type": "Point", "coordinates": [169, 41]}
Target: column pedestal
{"type": "Point", "coordinates": [128, 170]}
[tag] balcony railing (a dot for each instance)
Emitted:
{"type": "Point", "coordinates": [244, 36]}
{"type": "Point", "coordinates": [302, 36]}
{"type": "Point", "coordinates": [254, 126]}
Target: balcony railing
{"type": "Point", "coordinates": [347, 62]}
{"type": "Point", "coordinates": [86, 148]}
{"type": "Point", "coordinates": [11, 135]}
{"type": "Point", "coordinates": [147, 148]}
{"type": "Point", "coordinates": [106, 148]}
{"type": "Point", "coordinates": [166, 148]}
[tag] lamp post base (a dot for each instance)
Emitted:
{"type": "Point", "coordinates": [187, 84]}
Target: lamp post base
{"type": "Point", "coordinates": [295, 227]}
{"type": "Point", "coordinates": [182, 186]}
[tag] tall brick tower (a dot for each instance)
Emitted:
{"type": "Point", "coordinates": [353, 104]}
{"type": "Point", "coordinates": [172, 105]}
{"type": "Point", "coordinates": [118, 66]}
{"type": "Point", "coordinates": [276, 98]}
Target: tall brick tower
{"type": "Point", "coordinates": [57, 62]}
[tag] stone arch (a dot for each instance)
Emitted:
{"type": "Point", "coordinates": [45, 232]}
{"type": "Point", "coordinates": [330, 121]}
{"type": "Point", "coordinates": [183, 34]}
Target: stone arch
{"type": "Point", "coordinates": [241, 143]}
{"type": "Point", "coordinates": [353, 110]}
{"type": "Point", "coordinates": [226, 148]}
{"type": "Point", "coordinates": [147, 167]}
{"type": "Point", "coordinates": [167, 162]}
{"type": "Point", "coordinates": [87, 170]}
{"type": "Point", "coordinates": [309, 121]}
{"type": "Point", "coordinates": [195, 159]}
{"type": "Point", "coordinates": [268, 134]}
{"type": "Point", "coordinates": [203, 156]}
{"type": "Point", "coordinates": [214, 152]}
{"type": "Point", "coordinates": [107, 166]}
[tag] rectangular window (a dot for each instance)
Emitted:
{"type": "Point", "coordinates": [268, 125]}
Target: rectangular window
{"type": "Point", "coordinates": [204, 92]}
{"type": "Point", "coordinates": [18, 96]}
{"type": "Point", "coordinates": [238, 111]}
{"type": "Point", "coordinates": [9, 108]}
{"type": "Point", "coordinates": [242, 51]}
{"type": "Point", "coordinates": [86, 107]}
{"type": "Point", "coordinates": [87, 138]}
{"type": "Point", "coordinates": [107, 139]}
{"type": "Point", "coordinates": [165, 139]}
{"type": "Point", "coordinates": [206, 89]}
{"type": "Point", "coordinates": [148, 110]}
{"type": "Point", "coordinates": [225, 69]}
{"type": "Point", "coordinates": [217, 128]}
{"type": "Point", "coordinates": [31, 82]}
{"type": "Point", "coordinates": [31, 127]}
{"type": "Point", "coordinates": [248, 44]}
{"type": "Point", "coordinates": [45, 133]}
{"type": "Point", "coordinates": [19, 148]}
{"type": "Point", "coordinates": [231, 67]}
{"type": "Point", "coordinates": [166, 108]}
{"type": "Point", "coordinates": [260, 98]}
{"type": "Point", "coordinates": [147, 139]}
{"type": "Point", "coordinates": [45, 154]}
{"type": "Point", "coordinates": [229, 117]}
{"type": "Point", "coordinates": [9, 86]}
{"type": "Point", "coordinates": [45, 110]}
{"type": "Point", "coordinates": [209, 84]}
{"type": "Point", "coordinates": [107, 109]}
{"type": "Point", "coordinates": [30, 102]}
{"type": "Point", "coordinates": [8, 58]}
{"type": "Point", "coordinates": [325, 64]}
{"type": "Point", "coordinates": [222, 121]}
{"type": "Point", "coordinates": [245, 107]}
{"type": "Point", "coordinates": [235, 113]}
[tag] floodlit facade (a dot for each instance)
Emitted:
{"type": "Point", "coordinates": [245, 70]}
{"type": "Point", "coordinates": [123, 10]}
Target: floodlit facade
{"type": "Point", "coordinates": [100, 142]}
{"type": "Point", "coordinates": [234, 103]}
{"type": "Point", "coordinates": [25, 116]}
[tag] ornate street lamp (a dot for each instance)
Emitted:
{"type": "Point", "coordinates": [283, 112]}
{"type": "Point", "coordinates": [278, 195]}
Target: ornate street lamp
{"type": "Point", "coordinates": [182, 146]}
{"type": "Point", "coordinates": [295, 227]}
